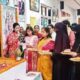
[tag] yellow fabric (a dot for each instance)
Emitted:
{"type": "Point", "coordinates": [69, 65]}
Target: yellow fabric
{"type": "Point", "coordinates": [9, 63]}
{"type": "Point", "coordinates": [42, 43]}
{"type": "Point", "coordinates": [44, 63]}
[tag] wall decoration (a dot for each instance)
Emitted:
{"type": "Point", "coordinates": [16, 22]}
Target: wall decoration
{"type": "Point", "coordinates": [4, 2]}
{"type": "Point", "coordinates": [8, 18]}
{"type": "Point", "coordinates": [65, 14]}
{"type": "Point", "coordinates": [44, 22]}
{"type": "Point", "coordinates": [0, 32]}
{"type": "Point", "coordinates": [35, 5]}
{"type": "Point", "coordinates": [49, 12]}
{"type": "Point", "coordinates": [21, 7]}
{"type": "Point", "coordinates": [43, 11]}
{"type": "Point", "coordinates": [33, 21]}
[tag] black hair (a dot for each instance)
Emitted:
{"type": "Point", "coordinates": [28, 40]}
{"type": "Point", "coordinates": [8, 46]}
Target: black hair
{"type": "Point", "coordinates": [14, 26]}
{"type": "Point", "coordinates": [36, 26]}
{"type": "Point", "coordinates": [47, 31]}
{"type": "Point", "coordinates": [66, 22]}
{"type": "Point", "coordinates": [51, 26]}
{"type": "Point", "coordinates": [29, 28]}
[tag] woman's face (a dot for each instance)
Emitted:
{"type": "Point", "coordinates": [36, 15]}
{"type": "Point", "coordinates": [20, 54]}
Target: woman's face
{"type": "Point", "coordinates": [51, 29]}
{"type": "Point", "coordinates": [17, 28]}
{"type": "Point", "coordinates": [29, 32]}
{"type": "Point", "coordinates": [36, 29]}
{"type": "Point", "coordinates": [44, 33]}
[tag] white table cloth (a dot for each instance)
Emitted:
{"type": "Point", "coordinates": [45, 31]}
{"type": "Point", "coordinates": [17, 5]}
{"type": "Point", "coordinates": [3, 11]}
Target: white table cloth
{"type": "Point", "coordinates": [19, 73]}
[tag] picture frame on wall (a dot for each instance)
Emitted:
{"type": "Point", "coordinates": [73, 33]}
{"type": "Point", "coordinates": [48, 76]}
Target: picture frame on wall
{"type": "Point", "coordinates": [54, 15]}
{"type": "Point", "coordinates": [21, 6]}
{"type": "Point", "coordinates": [8, 17]}
{"type": "Point", "coordinates": [44, 22]}
{"type": "Point", "coordinates": [4, 2]}
{"type": "Point", "coordinates": [49, 12]}
{"type": "Point", "coordinates": [35, 5]}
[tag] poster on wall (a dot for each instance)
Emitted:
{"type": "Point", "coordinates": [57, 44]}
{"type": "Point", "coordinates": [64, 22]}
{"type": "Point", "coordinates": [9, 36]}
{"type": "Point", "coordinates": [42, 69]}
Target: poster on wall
{"type": "Point", "coordinates": [8, 18]}
{"type": "Point", "coordinates": [35, 5]}
{"type": "Point", "coordinates": [33, 21]}
{"type": "Point", "coordinates": [55, 15]}
{"type": "Point", "coordinates": [44, 22]}
{"type": "Point", "coordinates": [21, 6]}
{"type": "Point", "coordinates": [4, 2]}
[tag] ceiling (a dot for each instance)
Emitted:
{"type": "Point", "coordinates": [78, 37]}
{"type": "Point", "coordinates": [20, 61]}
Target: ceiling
{"type": "Point", "coordinates": [75, 4]}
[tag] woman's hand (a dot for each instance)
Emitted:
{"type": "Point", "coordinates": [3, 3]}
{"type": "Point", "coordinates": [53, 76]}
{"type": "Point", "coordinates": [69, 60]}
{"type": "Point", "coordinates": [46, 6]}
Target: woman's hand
{"type": "Point", "coordinates": [29, 46]}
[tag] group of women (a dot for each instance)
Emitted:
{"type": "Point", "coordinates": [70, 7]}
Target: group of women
{"type": "Point", "coordinates": [50, 39]}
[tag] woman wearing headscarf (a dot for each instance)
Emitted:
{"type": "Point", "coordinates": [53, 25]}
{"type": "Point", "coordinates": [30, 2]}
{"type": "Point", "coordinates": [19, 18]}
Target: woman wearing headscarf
{"type": "Point", "coordinates": [71, 34]}
{"type": "Point", "coordinates": [76, 46]}
{"type": "Point", "coordinates": [62, 39]}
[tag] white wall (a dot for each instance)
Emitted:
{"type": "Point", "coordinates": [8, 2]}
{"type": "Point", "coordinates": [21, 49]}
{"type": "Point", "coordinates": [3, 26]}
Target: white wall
{"type": "Point", "coordinates": [69, 10]}
{"type": "Point", "coordinates": [29, 13]}
{"type": "Point", "coordinates": [50, 3]}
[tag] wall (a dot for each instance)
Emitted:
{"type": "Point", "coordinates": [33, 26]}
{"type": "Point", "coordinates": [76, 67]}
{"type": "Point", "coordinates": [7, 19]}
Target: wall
{"type": "Point", "coordinates": [50, 3]}
{"type": "Point", "coordinates": [69, 10]}
{"type": "Point", "coordinates": [30, 13]}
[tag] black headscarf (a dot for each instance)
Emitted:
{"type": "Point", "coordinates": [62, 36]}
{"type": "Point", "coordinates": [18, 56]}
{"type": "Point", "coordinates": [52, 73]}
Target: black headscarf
{"type": "Point", "coordinates": [62, 39]}
{"type": "Point", "coordinates": [76, 46]}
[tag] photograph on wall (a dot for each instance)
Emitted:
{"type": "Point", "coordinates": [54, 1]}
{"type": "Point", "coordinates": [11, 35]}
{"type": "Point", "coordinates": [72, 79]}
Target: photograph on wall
{"type": "Point", "coordinates": [35, 5]}
{"type": "Point", "coordinates": [8, 18]}
{"type": "Point", "coordinates": [44, 22]}
{"type": "Point", "coordinates": [33, 21]}
{"type": "Point", "coordinates": [54, 15]}
{"type": "Point", "coordinates": [4, 2]}
{"type": "Point", "coordinates": [21, 7]}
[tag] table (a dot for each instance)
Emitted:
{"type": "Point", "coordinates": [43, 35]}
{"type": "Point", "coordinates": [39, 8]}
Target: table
{"type": "Point", "coordinates": [16, 70]}
{"type": "Point", "coordinates": [29, 76]}
{"type": "Point", "coordinates": [8, 63]}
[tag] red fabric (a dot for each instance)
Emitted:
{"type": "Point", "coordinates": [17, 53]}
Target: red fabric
{"type": "Point", "coordinates": [32, 57]}
{"type": "Point", "coordinates": [49, 46]}
{"type": "Point", "coordinates": [12, 42]}
{"type": "Point", "coordinates": [39, 35]}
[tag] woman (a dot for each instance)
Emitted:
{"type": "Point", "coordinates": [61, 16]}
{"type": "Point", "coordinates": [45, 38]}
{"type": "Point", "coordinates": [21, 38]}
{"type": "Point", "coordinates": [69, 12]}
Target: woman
{"type": "Point", "coordinates": [31, 42]}
{"type": "Point", "coordinates": [13, 40]}
{"type": "Point", "coordinates": [45, 45]}
{"type": "Point", "coordinates": [36, 31]}
{"type": "Point", "coordinates": [62, 39]}
{"type": "Point", "coordinates": [52, 31]}
{"type": "Point", "coordinates": [71, 34]}
{"type": "Point", "coordinates": [76, 46]}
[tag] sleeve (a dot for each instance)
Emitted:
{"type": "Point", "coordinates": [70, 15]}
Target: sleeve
{"type": "Point", "coordinates": [10, 40]}
{"type": "Point", "coordinates": [72, 38]}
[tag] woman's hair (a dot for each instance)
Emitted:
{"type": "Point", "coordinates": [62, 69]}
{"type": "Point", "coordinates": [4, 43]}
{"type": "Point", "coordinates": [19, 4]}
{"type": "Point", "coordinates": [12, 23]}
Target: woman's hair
{"type": "Point", "coordinates": [29, 28]}
{"type": "Point", "coordinates": [66, 22]}
{"type": "Point", "coordinates": [36, 26]}
{"type": "Point", "coordinates": [51, 26]}
{"type": "Point", "coordinates": [61, 27]}
{"type": "Point", "coordinates": [14, 26]}
{"type": "Point", "coordinates": [47, 31]}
